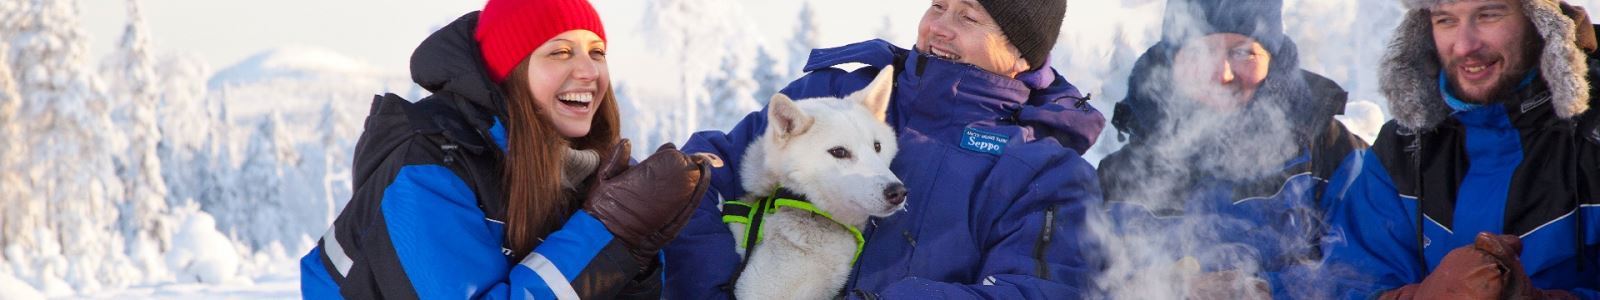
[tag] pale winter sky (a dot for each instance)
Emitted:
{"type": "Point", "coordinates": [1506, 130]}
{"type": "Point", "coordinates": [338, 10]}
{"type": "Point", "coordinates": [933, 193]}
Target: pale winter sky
{"type": "Point", "coordinates": [383, 32]}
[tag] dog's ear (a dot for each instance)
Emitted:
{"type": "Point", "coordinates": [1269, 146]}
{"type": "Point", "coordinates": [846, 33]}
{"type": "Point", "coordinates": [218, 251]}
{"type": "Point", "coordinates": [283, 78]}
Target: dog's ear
{"type": "Point", "coordinates": [875, 97]}
{"type": "Point", "coordinates": [785, 119]}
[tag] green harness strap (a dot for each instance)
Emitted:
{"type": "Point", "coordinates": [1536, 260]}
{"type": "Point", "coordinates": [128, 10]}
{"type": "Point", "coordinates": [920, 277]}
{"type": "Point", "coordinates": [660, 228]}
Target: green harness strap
{"type": "Point", "coordinates": [736, 211]}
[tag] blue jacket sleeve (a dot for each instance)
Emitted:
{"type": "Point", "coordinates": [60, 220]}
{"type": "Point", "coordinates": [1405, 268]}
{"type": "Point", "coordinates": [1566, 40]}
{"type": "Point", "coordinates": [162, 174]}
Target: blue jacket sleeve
{"type": "Point", "coordinates": [702, 259]}
{"type": "Point", "coordinates": [430, 240]}
{"type": "Point", "coordinates": [1370, 246]}
{"type": "Point", "coordinates": [1039, 248]}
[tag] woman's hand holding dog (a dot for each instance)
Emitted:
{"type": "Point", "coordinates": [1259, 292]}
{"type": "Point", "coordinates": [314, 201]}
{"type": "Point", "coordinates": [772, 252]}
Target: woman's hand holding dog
{"type": "Point", "coordinates": [647, 204]}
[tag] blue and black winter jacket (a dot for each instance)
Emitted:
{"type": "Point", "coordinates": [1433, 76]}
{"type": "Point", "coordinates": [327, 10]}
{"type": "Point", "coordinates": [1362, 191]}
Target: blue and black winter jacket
{"type": "Point", "coordinates": [427, 219]}
{"type": "Point", "coordinates": [998, 222]}
{"type": "Point", "coordinates": [1512, 167]}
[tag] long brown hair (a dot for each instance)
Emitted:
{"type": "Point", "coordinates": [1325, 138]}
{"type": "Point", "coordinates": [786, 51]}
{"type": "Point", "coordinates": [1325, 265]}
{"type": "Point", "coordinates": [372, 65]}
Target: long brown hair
{"type": "Point", "coordinates": [535, 202]}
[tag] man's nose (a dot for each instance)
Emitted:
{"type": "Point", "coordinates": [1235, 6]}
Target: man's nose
{"type": "Point", "coordinates": [1467, 41]}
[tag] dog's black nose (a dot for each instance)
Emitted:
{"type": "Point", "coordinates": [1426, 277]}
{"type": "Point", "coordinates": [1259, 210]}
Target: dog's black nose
{"type": "Point", "coordinates": [895, 193]}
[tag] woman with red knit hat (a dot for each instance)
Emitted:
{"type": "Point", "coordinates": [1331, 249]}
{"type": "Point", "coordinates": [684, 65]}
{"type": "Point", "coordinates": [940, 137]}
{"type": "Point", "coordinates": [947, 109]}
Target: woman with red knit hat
{"type": "Point", "coordinates": [510, 180]}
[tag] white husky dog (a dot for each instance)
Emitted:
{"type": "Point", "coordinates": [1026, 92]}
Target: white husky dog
{"type": "Point", "coordinates": [830, 157]}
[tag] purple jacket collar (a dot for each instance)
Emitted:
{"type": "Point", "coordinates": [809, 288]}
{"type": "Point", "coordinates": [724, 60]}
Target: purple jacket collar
{"type": "Point", "coordinates": [946, 95]}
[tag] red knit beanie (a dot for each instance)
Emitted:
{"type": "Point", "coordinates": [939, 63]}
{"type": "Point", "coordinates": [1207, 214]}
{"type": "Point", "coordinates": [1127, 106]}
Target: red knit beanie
{"type": "Point", "coordinates": [509, 30]}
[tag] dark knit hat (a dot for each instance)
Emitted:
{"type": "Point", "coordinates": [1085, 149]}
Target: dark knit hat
{"type": "Point", "coordinates": [1261, 20]}
{"type": "Point", "coordinates": [1030, 25]}
{"type": "Point", "coordinates": [509, 30]}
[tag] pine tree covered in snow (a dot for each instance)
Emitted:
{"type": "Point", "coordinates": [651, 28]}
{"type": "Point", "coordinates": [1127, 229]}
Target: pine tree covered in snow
{"type": "Point", "coordinates": [14, 209]}
{"type": "Point", "coordinates": [732, 90]}
{"type": "Point", "coordinates": [187, 122]}
{"type": "Point", "coordinates": [261, 202]}
{"type": "Point", "coordinates": [769, 76]}
{"type": "Point", "coordinates": [70, 142]}
{"type": "Point", "coordinates": [131, 78]}
{"type": "Point", "coordinates": [709, 54]}
{"type": "Point", "coordinates": [336, 159]}
{"type": "Point", "coordinates": [806, 37]}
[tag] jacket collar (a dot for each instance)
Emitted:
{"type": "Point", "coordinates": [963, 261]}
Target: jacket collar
{"type": "Point", "coordinates": [946, 95]}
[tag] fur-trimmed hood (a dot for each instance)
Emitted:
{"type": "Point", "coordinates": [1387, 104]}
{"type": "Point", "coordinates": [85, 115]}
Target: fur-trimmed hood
{"type": "Point", "coordinates": [1411, 65]}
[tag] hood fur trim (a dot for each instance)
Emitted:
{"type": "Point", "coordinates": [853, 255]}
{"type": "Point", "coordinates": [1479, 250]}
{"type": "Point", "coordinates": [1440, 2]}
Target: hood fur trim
{"type": "Point", "coordinates": [1411, 67]}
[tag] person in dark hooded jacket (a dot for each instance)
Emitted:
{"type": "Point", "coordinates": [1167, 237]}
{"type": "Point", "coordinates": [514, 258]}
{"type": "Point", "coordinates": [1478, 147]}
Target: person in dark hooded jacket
{"type": "Point", "coordinates": [1486, 184]}
{"type": "Point", "coordinates": [1229, 141]}
{"type": "Point", "coordinates": [509, 181]}
{"type": "Point", "coordinates": [999, 222]}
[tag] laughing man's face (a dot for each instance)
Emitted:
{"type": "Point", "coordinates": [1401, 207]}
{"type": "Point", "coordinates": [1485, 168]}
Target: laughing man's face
{"type": "Point", "coordinates": [1484, 46]}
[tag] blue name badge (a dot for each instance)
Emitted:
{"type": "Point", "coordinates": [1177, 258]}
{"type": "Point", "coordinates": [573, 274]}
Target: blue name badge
{"type": "Point", "coordinates": [980, 141]}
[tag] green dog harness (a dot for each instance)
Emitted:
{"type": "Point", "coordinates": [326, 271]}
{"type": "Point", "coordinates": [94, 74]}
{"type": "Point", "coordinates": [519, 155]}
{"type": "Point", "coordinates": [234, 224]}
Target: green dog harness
{"type": "Point", "coordinates": [751, 216]}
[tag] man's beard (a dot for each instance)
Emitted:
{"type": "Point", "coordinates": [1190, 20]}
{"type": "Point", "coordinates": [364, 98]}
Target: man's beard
{"type": "Point", "coordinates": [1504, 86]}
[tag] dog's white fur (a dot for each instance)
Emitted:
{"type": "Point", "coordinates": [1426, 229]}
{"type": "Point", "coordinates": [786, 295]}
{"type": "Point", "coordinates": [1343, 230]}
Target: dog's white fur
{"type": "Point", "coordinates": [803, 255]}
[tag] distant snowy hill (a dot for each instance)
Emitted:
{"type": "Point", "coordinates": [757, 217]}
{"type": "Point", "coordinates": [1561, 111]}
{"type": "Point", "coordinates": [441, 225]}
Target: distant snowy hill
{"type": "Point", "coordinates": [293, 63]}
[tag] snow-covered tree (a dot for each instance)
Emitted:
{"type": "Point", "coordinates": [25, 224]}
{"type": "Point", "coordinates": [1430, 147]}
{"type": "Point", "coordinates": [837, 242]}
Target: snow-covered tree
{"type": "Point", "coordinates": [257, 206]}
{"type": "Point", "coordinates": [15, 208]}
{"type": "Point", "coordinates": [769, 76]}
{"type": "Point", "coordinates": [132, 81]}
{"type": "Point", "coordinates": [70, 142]}
{"type": "Point", "coordinates": [731, 90]}
{"type": "Point", "coordinates": [336, 163]}
{"type": "Point", "coordinates": [186, 123]}
{"type": "Point", "coordinates": [806, 37]}
{"type": "Point", "coordinates": [696, 39]}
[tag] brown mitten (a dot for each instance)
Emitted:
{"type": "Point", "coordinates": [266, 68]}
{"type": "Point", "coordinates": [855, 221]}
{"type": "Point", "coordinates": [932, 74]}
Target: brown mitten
{"type": "Point", "coordinates": [1507, 248]}
{"type": "Point", "coordinates": [647, 204]}
{"type": "Point", "coordinates": [1465, 273]}
{"type": "Point", "coordinates": [1487, 269]}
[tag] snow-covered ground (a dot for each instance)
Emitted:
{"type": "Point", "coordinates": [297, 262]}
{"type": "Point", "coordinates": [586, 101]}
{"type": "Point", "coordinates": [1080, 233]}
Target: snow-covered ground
{"type": "Point", "coordinates": [147, 174]}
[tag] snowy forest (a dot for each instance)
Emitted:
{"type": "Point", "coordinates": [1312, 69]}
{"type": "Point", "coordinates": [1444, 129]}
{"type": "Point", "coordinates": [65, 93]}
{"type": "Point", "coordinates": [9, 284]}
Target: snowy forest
{"type": "Point", "coordinates": [152, 174]}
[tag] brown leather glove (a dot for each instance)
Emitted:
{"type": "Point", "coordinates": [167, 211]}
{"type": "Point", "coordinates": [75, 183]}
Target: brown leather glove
{"type": "Point", "coordinates": [1585, 37]}
{"type": "Point", "coordinates": [646, 205]}
{"type": "Point", "coordinates": [1507, 248]}
{"type": "Point", "coordinates": [1487, 269]}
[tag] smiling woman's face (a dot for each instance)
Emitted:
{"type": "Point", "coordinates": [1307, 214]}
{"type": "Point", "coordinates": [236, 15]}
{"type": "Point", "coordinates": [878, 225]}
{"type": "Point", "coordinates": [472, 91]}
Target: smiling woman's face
{"type": "Point", "coordinates": [962, 31]}
{"type": "Point", "coordinates": [567, 76]}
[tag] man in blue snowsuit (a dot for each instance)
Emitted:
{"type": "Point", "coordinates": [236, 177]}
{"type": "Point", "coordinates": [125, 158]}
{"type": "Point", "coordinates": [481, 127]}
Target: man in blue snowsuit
{"type": "Point", "coordinates": [983, 222]}
{"type": "Point", "coordinates": [1230, 142]}
{"type": "Point", "coordinates": [1487, 183]}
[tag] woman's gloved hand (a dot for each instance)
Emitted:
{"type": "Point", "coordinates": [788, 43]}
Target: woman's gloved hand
{"type": "Point", "coordinates": [646, 205]}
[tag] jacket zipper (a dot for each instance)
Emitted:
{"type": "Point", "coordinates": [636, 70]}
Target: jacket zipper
{"type": "Point", "coordinates": [1044, 242]}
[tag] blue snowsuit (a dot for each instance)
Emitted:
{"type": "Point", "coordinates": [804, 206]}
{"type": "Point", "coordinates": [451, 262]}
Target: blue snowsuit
{"type": "Point", "coordinates": [998, 192]}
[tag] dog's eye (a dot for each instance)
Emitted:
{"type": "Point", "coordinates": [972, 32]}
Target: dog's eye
{"type": "Point", "coordinates": [877, 147]}
{"type": "Point", "coordinates": [839, 152]}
